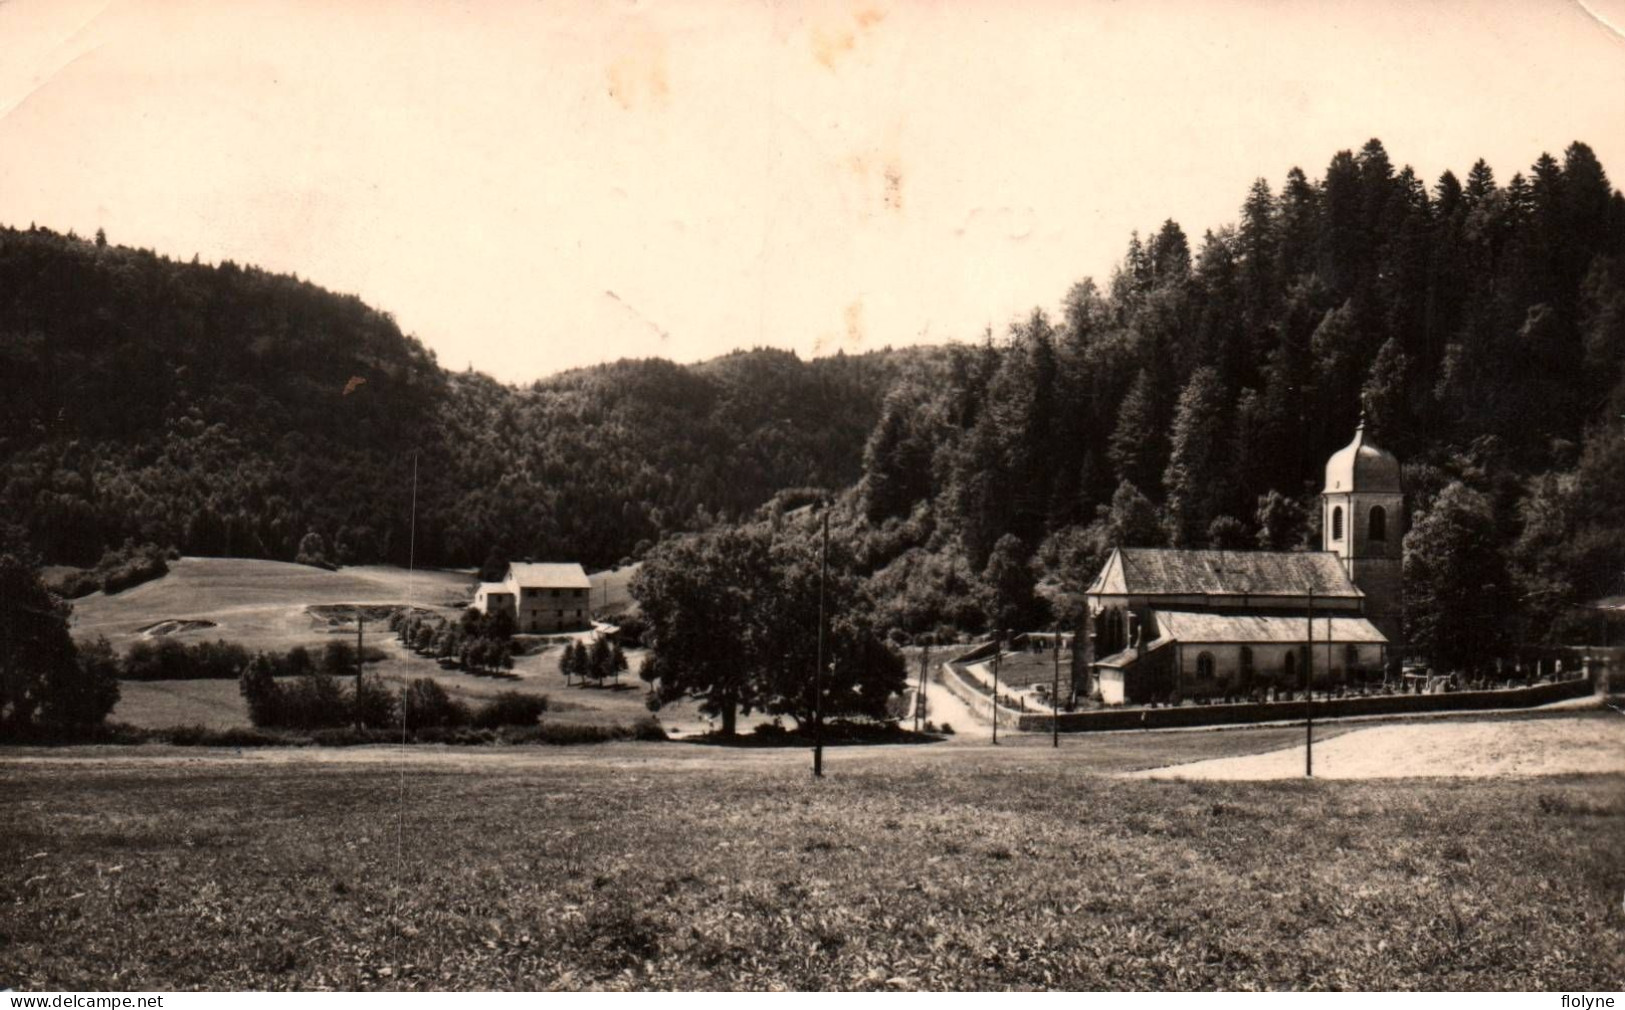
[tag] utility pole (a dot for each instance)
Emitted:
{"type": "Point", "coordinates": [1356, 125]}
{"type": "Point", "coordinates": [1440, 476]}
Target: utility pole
{"type": "Point", "coordinates": [919, 695]}
{"type": "Point", "coordinates": [998, 647]}
{"type": "Point", "coordinates": [360, 661]}
{"type": "Point", "coordinates": [1055, 692]}
{"type": "Point", "coordinates": [818, 674]}
{"type": "Point", "coordinates": [1308, 693]}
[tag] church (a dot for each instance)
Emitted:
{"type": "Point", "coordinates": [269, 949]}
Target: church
{"type": "Point", "coordinates": [1174, 624]}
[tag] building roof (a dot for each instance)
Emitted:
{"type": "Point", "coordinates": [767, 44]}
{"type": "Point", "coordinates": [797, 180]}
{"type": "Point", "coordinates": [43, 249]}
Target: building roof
{"type": "Point", "coordinates": [1361, 466]}
{"type": "Point", "coordinates": [1158, 571]}
{"type": "Point", "coordinates": [1128, 656]}
{"type": "Point", "coordinates": [1192, 628]}
{"type": "Point", "coordinates": [529, 575]}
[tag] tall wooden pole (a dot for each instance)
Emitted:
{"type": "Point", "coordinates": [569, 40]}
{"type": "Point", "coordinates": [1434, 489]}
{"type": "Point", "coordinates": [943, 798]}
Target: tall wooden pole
{"type": "Point", "coordinates": [998, 647]}
{"type": "Point", "coordinates": [919, 695]}
{"type": "Point", "coordinates": [818, 674]}
{"type": "Point", "coordinates": [1308, 692]}
{"type": "Point", "coordinates": [360, 662]}
{"type": "Point", "coordinates": [1055, 692]}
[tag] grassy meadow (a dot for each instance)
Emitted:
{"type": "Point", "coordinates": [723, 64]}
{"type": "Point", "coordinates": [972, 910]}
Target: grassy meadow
{"type": "Point", "coordinates": [669, 866]}
{"type": "Point", "coordinates": [261, 605]}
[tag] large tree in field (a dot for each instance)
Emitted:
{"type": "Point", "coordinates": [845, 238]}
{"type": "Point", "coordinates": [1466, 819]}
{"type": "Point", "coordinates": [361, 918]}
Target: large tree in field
{"type": "Point", "coordinates": [860, 671]}
{"type": "Point", "coordinates": [1457, 591]}
{"type": "Point", "coordinates": [700, 595]}
{"type": "Point", "coordinates": [733, 622]}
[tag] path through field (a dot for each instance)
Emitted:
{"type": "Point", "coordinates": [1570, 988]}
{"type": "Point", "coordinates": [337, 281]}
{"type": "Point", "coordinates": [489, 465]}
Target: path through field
{"type": "Point", "coordinates": [943, 706]}
{"type": "Point", "coordinates": [1487, 749]}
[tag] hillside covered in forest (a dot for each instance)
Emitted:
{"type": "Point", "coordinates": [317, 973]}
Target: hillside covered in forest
{"type": "Point", "coordinates": [1478, 325]}
{"type": "Point", "coordinates": [223, 410]}
{"type": "Point", "coordinates": [1194, 398]}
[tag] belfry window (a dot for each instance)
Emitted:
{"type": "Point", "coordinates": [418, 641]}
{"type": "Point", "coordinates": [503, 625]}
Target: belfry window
{"type": "Point", "coordinates": [1379, 523]}
{"type": "Point", "coordinates": [1337, 523]}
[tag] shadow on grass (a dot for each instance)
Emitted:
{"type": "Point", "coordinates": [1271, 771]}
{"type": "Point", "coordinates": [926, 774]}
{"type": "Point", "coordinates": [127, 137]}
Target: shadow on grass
{"type": "Point", "coordinates": [840, 734]}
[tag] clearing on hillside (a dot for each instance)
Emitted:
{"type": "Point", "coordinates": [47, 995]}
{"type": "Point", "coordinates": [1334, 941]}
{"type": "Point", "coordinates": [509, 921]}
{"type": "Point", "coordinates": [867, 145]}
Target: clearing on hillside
{"type": "Point", "coordinates": [611, 594]}
{"type": "Point", "coordinates": [260, 605]}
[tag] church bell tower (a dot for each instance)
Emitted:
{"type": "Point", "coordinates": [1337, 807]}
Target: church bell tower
{"type": "Point", "coordinates": [1362, 522]}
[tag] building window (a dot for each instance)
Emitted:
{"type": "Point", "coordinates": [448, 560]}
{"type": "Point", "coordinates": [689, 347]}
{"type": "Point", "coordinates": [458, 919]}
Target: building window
{"type": "Point", "coordinates": [1204, 666]}
{"type": "Point", "coordinates": [1246, 664]}
{"type": "Point", "coordinates": [1291, 668]}
{"type": "Point", "coordinates": [1379, 523]}
{"type": "Point", "coordinates": [1351, 655]}
{"type": "Point", "coordinates": [1337, 523]}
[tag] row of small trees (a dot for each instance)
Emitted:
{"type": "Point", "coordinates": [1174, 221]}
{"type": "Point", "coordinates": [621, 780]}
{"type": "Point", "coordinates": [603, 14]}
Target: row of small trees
{"type": "Point", "coordinates": [479, 643]}
{"type": "Point", "coordinates": [315, 699]}
{"type": "Point", "coordinates": [597, 664]}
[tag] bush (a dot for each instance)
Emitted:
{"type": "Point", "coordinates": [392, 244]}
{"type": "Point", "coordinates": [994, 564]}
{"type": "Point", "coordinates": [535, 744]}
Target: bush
{"type": "Point", "coordinates": [82, 694]}
{"type": "Point", "coordinates": [260, 690]}
{"type": "Point", "coordinates": [633, 627]}
{"type": "Point", "coordinates": [202, 736]}
{"type": "Point", "coordinates": [119, 568]}
{"type": "Point", "coordinates": [132, 565]}
{"type": "Point", "coordinates": [373, 704]}
{"type": "Point", "coordinates": [73, 585]}
{"type": "Point", "coordinates": [168, 659]}
{"type": "Point", "coordinates": [313, 701]}
{"type": "Point", "coordinates": [428, 704]}
{"type": "Point", "coordinates": [511, 708]}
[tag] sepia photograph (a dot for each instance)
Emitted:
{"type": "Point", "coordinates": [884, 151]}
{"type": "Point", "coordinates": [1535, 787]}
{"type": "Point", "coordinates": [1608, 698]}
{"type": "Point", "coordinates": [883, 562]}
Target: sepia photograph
{"type": "Point", "coordinates": [810, 496]}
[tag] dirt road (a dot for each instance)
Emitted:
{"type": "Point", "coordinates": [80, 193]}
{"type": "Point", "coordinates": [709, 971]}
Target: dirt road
{"type": "Point", "coordinates": [1448, 749]}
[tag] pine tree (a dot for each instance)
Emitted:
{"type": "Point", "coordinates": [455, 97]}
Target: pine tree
{"type": "Point", "coordinates": [600, 661]}
{"type": "Point", "coordinates": [1196, 480]}
{"type": "Point", "coordinates": [1137, 443]}
{"type": "Point", "coordinates": [1256, 262]}
{"type": "Point", "coordinates": [1480, 183]}
{"type": "Point", "coordinates": [1384, 398]}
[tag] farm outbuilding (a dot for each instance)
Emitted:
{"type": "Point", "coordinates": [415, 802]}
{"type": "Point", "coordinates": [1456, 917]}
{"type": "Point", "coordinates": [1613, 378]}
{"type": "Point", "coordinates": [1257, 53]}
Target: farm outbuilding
{"type": "Point", "coordinates": [541, 598]}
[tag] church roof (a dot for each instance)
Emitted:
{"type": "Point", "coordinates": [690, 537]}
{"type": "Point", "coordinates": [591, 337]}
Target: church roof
{"type": "Point", "coordinates": [1362, 466]}
{"type": "Point", "coordinates": [1157, 571]}
{"type": "Point", "coordinates": [1193, 628]}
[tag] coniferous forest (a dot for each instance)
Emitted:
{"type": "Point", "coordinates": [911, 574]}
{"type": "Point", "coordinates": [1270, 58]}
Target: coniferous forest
{"type": "Point", "coordinates": [1189, 399]}
{"type": "Point", "coordinates": [1193, 400]}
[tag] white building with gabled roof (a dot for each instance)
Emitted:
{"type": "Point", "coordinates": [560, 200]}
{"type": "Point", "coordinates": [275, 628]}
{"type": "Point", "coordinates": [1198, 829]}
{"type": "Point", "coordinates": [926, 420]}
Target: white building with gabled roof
{"type": "Point", "coordinates": [540, 597]}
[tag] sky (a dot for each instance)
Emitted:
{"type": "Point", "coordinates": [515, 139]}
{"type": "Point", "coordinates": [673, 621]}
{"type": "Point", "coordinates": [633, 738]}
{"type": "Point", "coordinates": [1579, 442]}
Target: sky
{"type": "Point", "coordinates": [529, 187]}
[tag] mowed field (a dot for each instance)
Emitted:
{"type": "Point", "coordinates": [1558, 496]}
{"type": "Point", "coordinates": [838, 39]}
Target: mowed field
{"type": "Point", "coordinates": [261, 605]}
{"type": "Point", "coordinates": [611, 591]}
{"type": "Point", "coordinates": [680, 866]}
